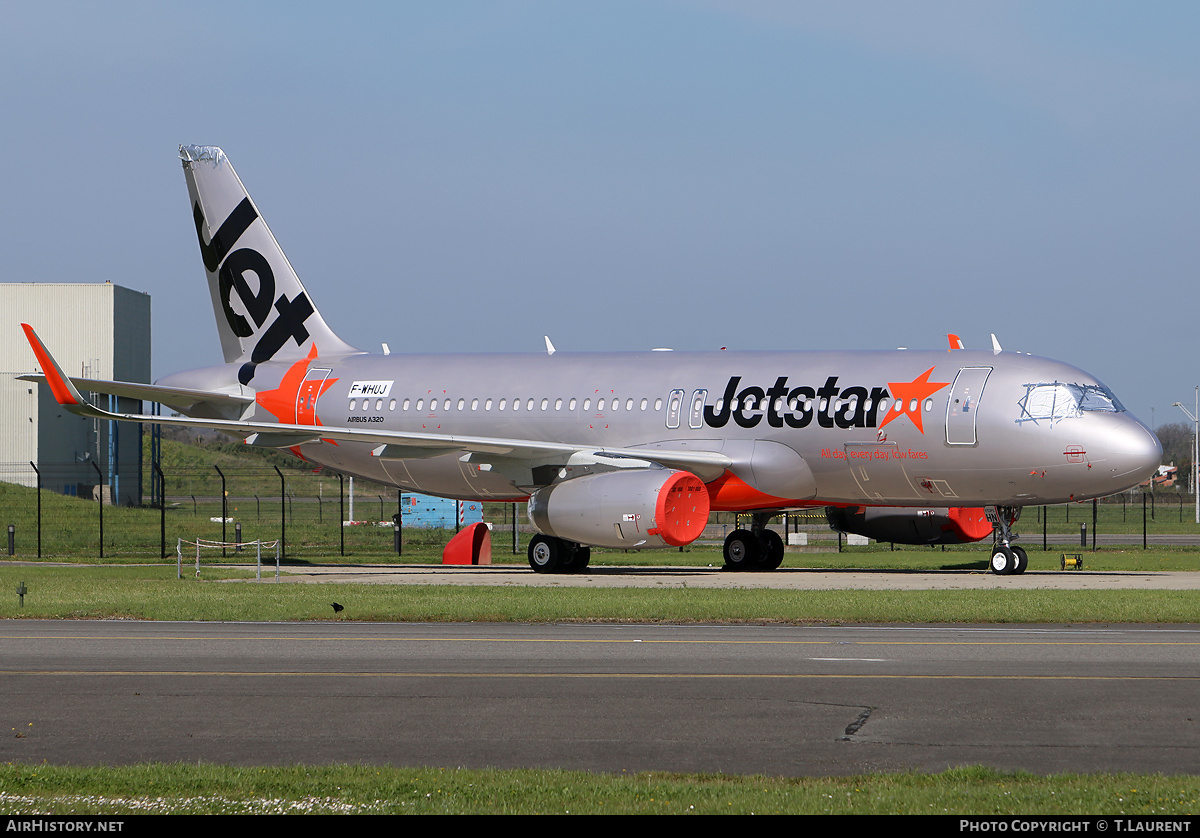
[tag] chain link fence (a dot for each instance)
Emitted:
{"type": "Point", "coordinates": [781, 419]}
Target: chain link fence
{"type": "Point", "coordinates": [322, 515]}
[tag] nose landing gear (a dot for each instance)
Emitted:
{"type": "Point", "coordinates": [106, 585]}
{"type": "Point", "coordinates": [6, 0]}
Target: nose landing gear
{"type": "Point", "coordinates": [1006, 558]}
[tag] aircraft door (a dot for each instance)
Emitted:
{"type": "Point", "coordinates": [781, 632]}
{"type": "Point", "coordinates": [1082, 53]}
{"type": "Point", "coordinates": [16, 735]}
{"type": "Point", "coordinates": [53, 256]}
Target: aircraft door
{"type": "Point", "coordinates": [963, 406]}
{"type": "Point", "coordinates": [306, 396]}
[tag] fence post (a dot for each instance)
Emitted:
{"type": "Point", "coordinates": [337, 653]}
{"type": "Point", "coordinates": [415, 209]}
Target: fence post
{"type": "Point", "coordinates": [39, 507]}
{"type": "Point", "coordinates": [342, 513]}
{"type": "Point", "coordinates": [162, 510]}
{"type": "Point", "coordinates": [282, 515]}
{"type": "Point", "coordinates": [100, 488]}
{"type": "Point", "coordinates": [224, 501]}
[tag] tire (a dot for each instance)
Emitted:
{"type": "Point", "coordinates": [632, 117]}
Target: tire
{"type": "Point", "coordinates": [1022, 560]}
{"type": "Point", "coordinates": [1003, 561]}
{"type": "Point", "coordinates": [742, 550]}
{"type": "Point", "coordinates": [546, 554]}
{"type": "Point", "coordinates": [772, 551]}
{"type": "Point", "coordinates": [583, 556]}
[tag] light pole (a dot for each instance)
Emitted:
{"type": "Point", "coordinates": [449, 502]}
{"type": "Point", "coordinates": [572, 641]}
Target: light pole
{"type": "Point", "coordinates": [1195, 417]}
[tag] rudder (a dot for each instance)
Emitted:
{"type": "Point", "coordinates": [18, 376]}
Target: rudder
{"type": "Point", "coordinates": [262, 309]}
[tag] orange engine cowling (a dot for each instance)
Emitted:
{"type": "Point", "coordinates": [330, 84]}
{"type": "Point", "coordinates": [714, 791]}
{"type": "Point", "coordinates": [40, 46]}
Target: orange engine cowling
{"type": "Point", "coordinates": [627, 509]}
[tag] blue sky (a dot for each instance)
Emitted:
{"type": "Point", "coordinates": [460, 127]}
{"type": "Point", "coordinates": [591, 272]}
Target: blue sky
{"type": "Point", "coordinates": [468, 176]}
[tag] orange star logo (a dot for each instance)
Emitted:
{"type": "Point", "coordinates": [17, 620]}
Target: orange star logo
{"type": "Point", "coordinates": [293, 400]}
{"type": "Point", "coordinates": [910, 396]}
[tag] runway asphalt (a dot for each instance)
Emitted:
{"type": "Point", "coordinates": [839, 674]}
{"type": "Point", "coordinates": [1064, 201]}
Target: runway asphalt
{"type": "Point", "coordinates": [780, 700]}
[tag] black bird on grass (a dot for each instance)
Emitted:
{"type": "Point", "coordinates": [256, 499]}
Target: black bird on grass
{"type": "Point", "coordinates": [336, 607]}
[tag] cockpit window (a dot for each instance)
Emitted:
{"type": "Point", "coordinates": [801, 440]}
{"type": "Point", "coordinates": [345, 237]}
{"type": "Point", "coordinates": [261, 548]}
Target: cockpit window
{"type": "Point", "coordinates": [1099, 397]}
{"type": "Point", "coordinates": [1055, 401]}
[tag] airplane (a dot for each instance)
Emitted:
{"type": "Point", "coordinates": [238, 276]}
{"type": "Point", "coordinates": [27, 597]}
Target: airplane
{"type": "Point", "coordinates": [636, 450]}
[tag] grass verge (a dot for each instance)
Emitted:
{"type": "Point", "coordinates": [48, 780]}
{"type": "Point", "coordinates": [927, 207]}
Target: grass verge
{"type": "Point", "coordinates": [202, 789]}
{"type": "Point", "coordinates": [154, 593]}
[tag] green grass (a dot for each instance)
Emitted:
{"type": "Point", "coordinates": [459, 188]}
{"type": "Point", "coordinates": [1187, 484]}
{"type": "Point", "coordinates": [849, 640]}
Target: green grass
{"type": "Point", "coordinates": [154, 593]}
{"type": "Point", "coordinates": [204, 789]}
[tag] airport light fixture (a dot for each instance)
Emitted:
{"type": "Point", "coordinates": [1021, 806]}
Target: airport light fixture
{"type": "Point", "coordinates": [1195, 417]}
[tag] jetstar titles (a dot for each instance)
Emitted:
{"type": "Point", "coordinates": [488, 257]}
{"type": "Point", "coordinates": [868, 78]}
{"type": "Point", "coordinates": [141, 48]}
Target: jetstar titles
{"type": "Point", "coordinates": [831, 405]}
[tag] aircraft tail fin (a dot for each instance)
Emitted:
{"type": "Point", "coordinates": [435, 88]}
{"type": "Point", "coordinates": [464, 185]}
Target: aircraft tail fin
{"type": "Point", "coordinates": [262, 309]}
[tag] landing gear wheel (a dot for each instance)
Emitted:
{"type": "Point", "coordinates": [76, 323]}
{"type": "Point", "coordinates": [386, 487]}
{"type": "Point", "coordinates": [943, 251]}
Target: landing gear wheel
{"type": "Point", "coordinates": [546, 554]}
{"type": "Point", "coordinates": [742, 549]}
{"type": "Point", "coordinates": [1022, 559]}
{"type": "Point", "coordinates": [1003, 560]}
{"type": "Point", "coordinates": [583, 555]}
{"type": "Point", "coordinates": [772, 554]}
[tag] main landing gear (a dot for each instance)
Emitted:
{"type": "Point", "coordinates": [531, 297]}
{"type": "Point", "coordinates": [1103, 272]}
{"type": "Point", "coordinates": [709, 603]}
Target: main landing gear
{"type": "Point", "coordinates": [548, 554]}
{"type": "Point", "coordinates": [757, 548]}
{"type": "Point", "coordinates": [1006, 558]}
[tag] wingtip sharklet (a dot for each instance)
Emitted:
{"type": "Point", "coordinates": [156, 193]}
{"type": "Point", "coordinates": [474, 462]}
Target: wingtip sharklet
{"type": "Point", "coordinates": [64, 391]}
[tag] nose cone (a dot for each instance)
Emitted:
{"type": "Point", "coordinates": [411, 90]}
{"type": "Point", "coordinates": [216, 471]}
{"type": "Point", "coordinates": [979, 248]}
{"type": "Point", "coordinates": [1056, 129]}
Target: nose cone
{"type": "Point", "coordinates": [1134, 451]}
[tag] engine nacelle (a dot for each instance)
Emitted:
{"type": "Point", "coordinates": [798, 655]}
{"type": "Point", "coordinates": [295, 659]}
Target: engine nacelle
{"type": "Point", "coordinates": [911, 525]}
{"type": "Point", "coordinates": [627, 509]}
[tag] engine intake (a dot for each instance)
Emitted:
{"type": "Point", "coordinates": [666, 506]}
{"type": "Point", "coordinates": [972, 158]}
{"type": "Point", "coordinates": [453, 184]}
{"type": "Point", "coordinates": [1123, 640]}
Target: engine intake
{"type": "Point", "coordinates": [627, 509]}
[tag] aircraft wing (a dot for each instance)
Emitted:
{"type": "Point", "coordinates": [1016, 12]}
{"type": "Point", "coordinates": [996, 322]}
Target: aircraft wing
{"type": "Point", "coordinates": [391, 444]}
{"type": "Point", "coordinates": [177, 397]}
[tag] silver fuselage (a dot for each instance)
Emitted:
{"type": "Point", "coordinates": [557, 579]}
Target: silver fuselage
{"type": "Point", "coordinates": [801, 428]}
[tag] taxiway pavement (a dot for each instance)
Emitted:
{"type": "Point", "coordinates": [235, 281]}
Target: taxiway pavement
{"type": "Point", "coordinates": [776, 700]}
